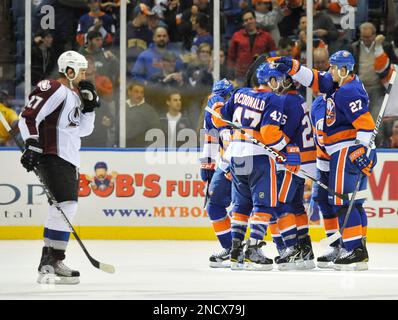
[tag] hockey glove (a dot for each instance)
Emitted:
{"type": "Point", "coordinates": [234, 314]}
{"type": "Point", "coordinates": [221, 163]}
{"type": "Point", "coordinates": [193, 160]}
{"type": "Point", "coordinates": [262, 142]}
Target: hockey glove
{"type": "Point", "coordinates": [207, 169]}
{"type": "Point", "coordinates": [287, 65]}
{"type": "Point", "coordinates": [361, 161]}
{"type": "Point", "coordinates": [32, 154]}
{"type": "Point", "coordinates": [215, 101]}
{"type": "Point", "coordinates": [89, 96]}
{"type": "Point", "coordinates": [293, 159]}
{"type": "Point", "coordinates": [227, 173]}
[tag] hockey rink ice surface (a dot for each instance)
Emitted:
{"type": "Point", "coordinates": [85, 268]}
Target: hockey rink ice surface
{"type": "Point", "coordinates": [178, 270]}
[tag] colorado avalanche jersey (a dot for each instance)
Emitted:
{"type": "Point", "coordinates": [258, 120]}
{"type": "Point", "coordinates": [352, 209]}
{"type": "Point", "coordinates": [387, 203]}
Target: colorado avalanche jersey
{"type": "Point", "coordinates": [53, 116]}
{"type": "Point", "coordinates": [296, 126]}
{"type": "Point", "coordinates": [318, 112]}
{"type": "Point", "coordinates": [259, 112]}
{"type": "Point", "coordinates": [347, 111]}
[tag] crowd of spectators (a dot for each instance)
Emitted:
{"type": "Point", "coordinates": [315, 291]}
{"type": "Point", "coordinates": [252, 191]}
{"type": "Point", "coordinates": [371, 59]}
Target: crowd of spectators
{"type": "Point", "coordinates": [170, 50]}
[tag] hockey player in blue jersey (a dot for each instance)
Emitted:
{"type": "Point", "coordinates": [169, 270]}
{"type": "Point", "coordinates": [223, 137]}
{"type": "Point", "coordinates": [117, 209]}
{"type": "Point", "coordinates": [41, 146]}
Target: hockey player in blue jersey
{"type": "Point", "coordinates": [219, 190]}
{"type": "Point", "coordinates": [319, 195]}
{"type": "Point", "coordinates": [348, 129]}
{"type": "Point", "coordinates": [292, 218]}
{"type": "Point", "coordinates": [254, 186]}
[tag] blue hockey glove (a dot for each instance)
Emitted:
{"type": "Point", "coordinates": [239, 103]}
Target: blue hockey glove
{"type": "Point", "coordinates": [293, 160]}
{"type": "Point", "coordinates": [361, 161]}
{"type": "Point", "coordinates": [207, 169]}
{"type": "Point", "coordinates": [215, 100]}
{"type": "Point", "coordinates": [287, 65]}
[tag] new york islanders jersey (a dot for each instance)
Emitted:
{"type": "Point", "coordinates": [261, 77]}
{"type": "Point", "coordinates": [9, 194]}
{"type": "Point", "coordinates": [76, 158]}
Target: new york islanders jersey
{"type": "Point", "coordinates": [53, 116]}
{"type": "Point", "coordinates": [216, 139]}
{"type": "Point", "coordinates": [297, 128]}
{"type": "Point", "coordinates": [259, 112]}
{"type": "Point", "coordinates": [347, 111]}
{"type": "Point", "coordinates": [318, 112]}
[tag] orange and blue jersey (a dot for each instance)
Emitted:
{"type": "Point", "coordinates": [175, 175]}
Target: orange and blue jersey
{"type": "Point", "coordinates": [216, 140]}
{"type": "Point", "coordinates": [297, 128]}
{"type": "Point", "coordinates": [259, 112]}
{"type": "Point", "coordinates": [347, 116]}
{"type": "Point", "coordinates": [318, 112]}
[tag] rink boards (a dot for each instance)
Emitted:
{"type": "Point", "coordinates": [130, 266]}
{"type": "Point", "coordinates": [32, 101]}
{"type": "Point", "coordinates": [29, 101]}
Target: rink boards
{"type": "Point", "coordinates": [155, 195]}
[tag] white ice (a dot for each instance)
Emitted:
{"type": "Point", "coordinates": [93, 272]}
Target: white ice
{"type": "Point", "coordinates": [178, 270]}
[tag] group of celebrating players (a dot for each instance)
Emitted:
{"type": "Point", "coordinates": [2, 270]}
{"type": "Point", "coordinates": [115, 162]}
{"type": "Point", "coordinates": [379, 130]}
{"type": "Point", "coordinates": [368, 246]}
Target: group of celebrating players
{"type": "Point", "coordinates": [328, 140]}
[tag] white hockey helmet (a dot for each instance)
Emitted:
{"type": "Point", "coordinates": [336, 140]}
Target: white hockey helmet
{"type": "Point", "coordinates": [73, 60]}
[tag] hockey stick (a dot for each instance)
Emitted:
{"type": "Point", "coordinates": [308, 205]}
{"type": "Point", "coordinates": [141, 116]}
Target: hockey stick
{"type": "Point", "coordinates": [337, 235]}
{"type": "Point", "coordinates": [206, 195]}
{"type": "Point", "coordinates": [275, 154]}
{"type": "Point", "coordinates": [102, 266]}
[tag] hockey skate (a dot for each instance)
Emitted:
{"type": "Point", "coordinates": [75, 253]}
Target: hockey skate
{"type": "Point", "coordinates": [291, 259]}
{"type": "Point", "coordinates": [325, 261]}
{"type": "Point", "coordinates": [255, 260]}
{"type": "Point", "coordinates": [220, 259]}
{"type": "Point", "coordinates": [53, 271]}
{"type": "Point", "coordinates": [307, 255]}
{"type": "Point", "coordinates": [281, 253]}
{"type": "Point", "coordinates": [355, 260]}
{"type": "Point", "coordinates": [237, 256]}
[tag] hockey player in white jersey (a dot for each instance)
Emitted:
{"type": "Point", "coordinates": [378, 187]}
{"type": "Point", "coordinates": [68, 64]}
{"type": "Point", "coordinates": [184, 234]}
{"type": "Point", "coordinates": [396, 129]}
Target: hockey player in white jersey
{"type": "Point", "coordinates": [58, 114]}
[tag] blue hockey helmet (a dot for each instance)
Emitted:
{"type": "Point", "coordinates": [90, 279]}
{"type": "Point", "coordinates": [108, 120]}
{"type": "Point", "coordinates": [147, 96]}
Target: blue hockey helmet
{"type": "Point", "coordinates": [342, 58]}
{"type": "Point", "coordinates": [266, 71]}
{"type": "Point", "coordinates": [222, 87]}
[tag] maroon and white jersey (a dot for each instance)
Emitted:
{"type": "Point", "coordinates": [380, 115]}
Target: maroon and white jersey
{"type": "Point", "coordinates": [53, 116]}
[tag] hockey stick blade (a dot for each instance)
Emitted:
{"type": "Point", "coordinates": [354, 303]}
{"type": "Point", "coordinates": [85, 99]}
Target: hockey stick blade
{"type": "Point", "coordinates": [106, 268]}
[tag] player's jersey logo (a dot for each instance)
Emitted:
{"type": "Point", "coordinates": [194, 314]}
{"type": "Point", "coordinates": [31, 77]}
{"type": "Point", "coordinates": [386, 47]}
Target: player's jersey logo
{"type": "Point", "coordinates": [74, 117]}
{"type": "Point", "coordinates": [330, 112]}
{"type": "Point", "coordinates": [44, 85]}
{"type": "Point", "coordinates": [319, 131]}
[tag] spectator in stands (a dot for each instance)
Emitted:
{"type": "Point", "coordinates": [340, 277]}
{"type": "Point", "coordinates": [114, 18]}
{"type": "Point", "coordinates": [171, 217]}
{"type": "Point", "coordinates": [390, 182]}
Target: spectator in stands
{"type": "Point", "coordinates": [248, 43]}
{"type": "Point", "coordinates": [268, 15]}
{"type": "Point", "coordinates": [172, 13]}
{"type": "Point", "coordinates": [392, 140]}
{"type": "Point", "coordinates": [321, 59]}
{"type": "Point", "coordinates": [285, 47]}
{"type": "Point", "coordinates": [140, 117]}
{"type": "Point", "coordinates": [95, 20]}
{"type": "Point", "coordinates": [105, 61]}
{"type": "Point", "coordinates": [199, 71]}
{"type": "Point", "coordinates": [104, 117]}
{"type": "Point", "coordinates": [232, 10]}
{"type": "Point", "coordinates": [325, 29]}
{"type": "Point", "coordinates": [292, 11]}
{"type": "Point", "coordinates": [11, 117]}
{"type": "Point", "coordinates": [174, 121]}
{"type": "Point", "coordinates": [299, 50]}
{"type": "Point", "coordinates": [167, 76]}
{"type": "Point", "coordinates": [43, 58]}
{"type": "Point", "coordinates": [365, 52]}
{"type": "Point", "coordinates": [225, 71]}
{"type": "Point", "coordinates": [202, 34]}
{"type": "Point", "coordinates": [148, 63]}
{"type": "Point", "coordinates": [189, 19]}
{"type": "Point", "coordinates": [139, 36]}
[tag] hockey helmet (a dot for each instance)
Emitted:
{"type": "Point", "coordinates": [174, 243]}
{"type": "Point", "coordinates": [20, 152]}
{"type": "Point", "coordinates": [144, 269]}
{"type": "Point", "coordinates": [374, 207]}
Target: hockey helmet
{"type": "Point", "coordinates": [267, 71]}
{"type": "Point", "coordinates": [222, 87]}
{"type": "Point", "coordinates": [342, 58]}
{"type": "Point", "coordinates": [71, 59]}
